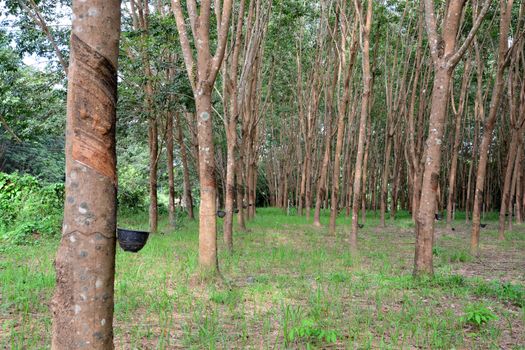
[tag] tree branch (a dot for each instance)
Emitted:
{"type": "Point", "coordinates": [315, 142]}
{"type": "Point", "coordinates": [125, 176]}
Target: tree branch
{"type": "Point", "coordinates": [454, 59]}
{"type": "Point", "coordinates": [40, 21]}
{"type": "Point", "coordinates": [6, 126]}
{"type": "Point", "coordinates": [221, 39]}
{"type": "Point", "coordinates": [185, 43]}
{"type": "Point", "coordinates": [431, 28]}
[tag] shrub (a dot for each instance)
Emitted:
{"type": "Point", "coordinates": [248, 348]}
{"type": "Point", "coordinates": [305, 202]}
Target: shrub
{"type": "Point", "coordinates": [28, 207]}
{"type": "Point", "coordinates": [478, 314]}
{"type": "Point", "coordinates": [310, 331]}
{"type": "Point", "coordinates": [132, 189]}
{"type": "Point", "coordinates": [508, 292]}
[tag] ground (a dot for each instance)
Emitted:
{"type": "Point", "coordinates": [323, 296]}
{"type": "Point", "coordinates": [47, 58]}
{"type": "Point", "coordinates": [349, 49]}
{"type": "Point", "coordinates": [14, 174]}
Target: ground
{"type": "Point", "coordinates": [290, 285]}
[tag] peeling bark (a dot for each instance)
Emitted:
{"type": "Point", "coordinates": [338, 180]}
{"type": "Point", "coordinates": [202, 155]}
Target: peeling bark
{"type": "Point", "coordinates": [82, 304]}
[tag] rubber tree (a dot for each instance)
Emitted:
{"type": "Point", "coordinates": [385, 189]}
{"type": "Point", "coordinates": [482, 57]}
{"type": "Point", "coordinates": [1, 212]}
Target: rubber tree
{"type": "Point", "coordinates": [206, 68]}
{"type": "Point", "coordinates": [82, 304]}
{"type": "Point", "coordinates": [342, 106]}
{"type": "Point", "coordinates": [517, 121]}
{"type": "Point", "coordinates": [497, 92]}
{"type": "Point", "coordinates": [230, 125]}
{"type": "Point", "coordinates": [188, 199]}
{"type": "Point", "coordinates": [445, 57]}
{"type": "Point", "coordinates": [365, 25]}
{"type": "Point", "coordinates": [458, 114]}
{"type": "Point", "coordinates": [141, 17]}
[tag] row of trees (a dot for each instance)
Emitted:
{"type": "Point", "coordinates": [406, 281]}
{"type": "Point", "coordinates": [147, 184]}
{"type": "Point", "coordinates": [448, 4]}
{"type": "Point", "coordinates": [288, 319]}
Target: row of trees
{"type": "Point", "coordinates": [347, 105]}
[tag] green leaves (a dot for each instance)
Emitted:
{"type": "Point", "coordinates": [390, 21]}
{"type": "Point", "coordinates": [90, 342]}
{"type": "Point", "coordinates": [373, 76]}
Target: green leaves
{"type": "Point", "coordinates": [310, 331]}
{"type": "Point", "coordinates": [28, 207]}
{"type": "Point", "coordinates": [478, 314]}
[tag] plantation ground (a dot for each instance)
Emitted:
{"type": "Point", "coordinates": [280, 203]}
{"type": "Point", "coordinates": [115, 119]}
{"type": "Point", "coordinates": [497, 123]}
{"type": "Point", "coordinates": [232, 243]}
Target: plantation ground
{"type": "Point", "coordinates": [286, 284]}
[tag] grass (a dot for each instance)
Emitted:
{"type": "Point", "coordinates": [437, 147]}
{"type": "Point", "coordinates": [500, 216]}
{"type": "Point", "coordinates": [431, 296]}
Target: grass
{"type": "Point", "coordinates": [289, 285]}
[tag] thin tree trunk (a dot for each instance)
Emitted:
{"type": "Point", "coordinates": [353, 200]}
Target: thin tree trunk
{"type": "Point", "coordinates": [513, 194]}
{"type": "Point", "coordinates": [188, 198]}
{"type": "Point", "coordinates": [457, 140]}
{"type": "Point", "coordinates": [171, 175]}
{"type": "Point", "coordinates": [444, 63]}
{"type": "Point", "coordinates": [367, 82]}
{"type": "Point", "coordinates": [208, 186]}
{"type": "Point", "coordinates": [334, 210]}
{"type": "Point", "coordinates": [497, 92]}
{"type": "Point", "coordinates": [207, 67]}
{"type": "Point", "coordinates": [427, 206]}
{"type": "Point", "coordinates": [321, 185]}
{"type": "Point", "coordinates": [239, 190]}
{"type": "Point", "coordinates": [505, 195]}
{"type": "Point", "coordinates": [386, 173]}
{"type": "Point", "coordinates": [153, 162]}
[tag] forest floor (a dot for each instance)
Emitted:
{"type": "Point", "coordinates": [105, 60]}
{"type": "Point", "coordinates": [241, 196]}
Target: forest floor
{"type": "Point", "coordinates": [290, 285]}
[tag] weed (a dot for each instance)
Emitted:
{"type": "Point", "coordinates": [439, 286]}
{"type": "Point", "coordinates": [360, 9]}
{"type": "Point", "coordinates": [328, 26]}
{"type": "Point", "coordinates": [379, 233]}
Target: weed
{"type": "Point", "coordinates": [339, 277]}
{"type": "Point", "coordinates": [478, 314]}
{"type": "Point", "coordinates": [310, 331]}
{"type": "Point", "coordinates": [508, 292]}
{"type": "Point", "coordinates": [227, 297]}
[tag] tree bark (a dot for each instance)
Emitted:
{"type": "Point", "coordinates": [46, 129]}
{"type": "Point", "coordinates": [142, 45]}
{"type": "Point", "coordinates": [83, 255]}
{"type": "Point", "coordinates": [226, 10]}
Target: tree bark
{"type": "Point", "coordinates": [321, 184]}
{"type": "Point", "coordinates": [457, 140]}
{"type": "Point", "coordinates": [445, 61]}
{"type": "Point", "coordinates": [208, 186]}
{"type": "Point", "coordinates": [171, 175]}
{"type": "Point", "coordinates": [505, 195]}
{"type": "Point", "coordinates": [202, 85]}
{"type": "Point", "coordinates": [386, 173]}
{"type": "Point", "coordinates": [427, 207]}
{"type": "Point", "coordinates": [82, 304]}
{"type": "Point", "coordinates": [188, 198]}
{"type": "Point", "coordinates": [367, 82]}
{"type": "Point", "coordinates": [497, 92]}
{"type": "Point", "coordinates": [153, 165]}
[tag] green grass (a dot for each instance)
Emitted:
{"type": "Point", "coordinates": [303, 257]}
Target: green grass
{"type": "Point", "coordinates": [288, 285]}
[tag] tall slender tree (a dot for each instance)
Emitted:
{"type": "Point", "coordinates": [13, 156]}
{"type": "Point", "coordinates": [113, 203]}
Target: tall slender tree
{"type": "Point", "coordinates": [445, 57]}
{"type": "Point", "coordinates": [207, 67]}
{"type": "Point", "coordinates": [489, 123]}
{"type": "Point", "coordinates": [365, 24]}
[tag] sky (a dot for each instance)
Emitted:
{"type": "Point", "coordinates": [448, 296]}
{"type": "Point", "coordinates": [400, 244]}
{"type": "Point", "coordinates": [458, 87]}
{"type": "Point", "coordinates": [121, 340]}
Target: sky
{"type": "Point", "coordinates": [35, 61]}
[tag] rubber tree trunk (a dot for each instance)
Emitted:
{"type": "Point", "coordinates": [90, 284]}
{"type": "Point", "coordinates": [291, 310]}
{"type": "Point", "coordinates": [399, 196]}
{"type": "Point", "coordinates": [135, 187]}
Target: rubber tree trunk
{"type": "Point", "coordinates": [444, 62]}
{"type": "Point", "coordinates": [426, 214]}
{"type": "Point", "coordinates": [188, 198]}
{"type": "Point", "coordinates": [321, 185]}
{"type": "Point", "coordinates": [308, 185]}
{"type": "Point", "coordinates": [519, 191]}
{"type": "Point", "coordinates": [512, 207]}
{"type": "Point", "coordinates": [208, 189]}
{"type": "Point", "coordinates": [367, 89]}
{"type": "Point", "coordinates": [153, 165]}
{"type": "Point", "coordinates": [241, 223]}
{"type": "Point", "coordinates": [497, 92]}
{"type": "Point", "coordinates": [506, 206]}
{"type": "Point", "coordinates": [336, 173]}
{"type": "Point", "coordinates": [171, 175]}
{"type": "Point", "coordinates": [230, 185]}
{"type": "Point", "coordinates": [365, 172]}
{"type": "Point", "coordinates": [457, 140]}
{"type": "Point", "coordinates": [482, 165]}
{"type": "Point", "coordinates": [252, 188]}
{"type": "Point", "coordinates": [303, 188]}
{"type": "Point", "coordinates": [470, 171]}
{"type": "Point", "coordinates": [385, 175]}
{"type": "Point", "coordinates": [82, 304]}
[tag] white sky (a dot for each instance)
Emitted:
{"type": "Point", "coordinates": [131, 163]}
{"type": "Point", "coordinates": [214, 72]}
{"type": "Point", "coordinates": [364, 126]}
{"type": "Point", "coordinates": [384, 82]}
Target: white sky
{"type": "Point", "coordinates": [64, 20]}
